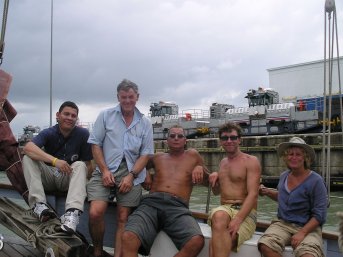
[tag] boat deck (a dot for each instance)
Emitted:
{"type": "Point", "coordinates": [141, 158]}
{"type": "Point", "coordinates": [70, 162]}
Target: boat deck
{"type": "Point", "coordinates": [17, 247]}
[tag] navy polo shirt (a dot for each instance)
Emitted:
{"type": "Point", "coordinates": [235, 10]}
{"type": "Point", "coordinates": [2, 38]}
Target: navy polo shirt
{"type": "Point", "coordinates": [71, 149]}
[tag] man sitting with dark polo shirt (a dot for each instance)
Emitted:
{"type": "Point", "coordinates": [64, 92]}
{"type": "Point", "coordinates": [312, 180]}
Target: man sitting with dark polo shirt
{"type": "Point", "coordinates": [57, 159]}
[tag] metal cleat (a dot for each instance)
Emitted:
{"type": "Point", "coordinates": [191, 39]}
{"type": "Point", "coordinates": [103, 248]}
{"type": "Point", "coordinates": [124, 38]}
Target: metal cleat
{"type": "Point", "coordinates": [50, 252]}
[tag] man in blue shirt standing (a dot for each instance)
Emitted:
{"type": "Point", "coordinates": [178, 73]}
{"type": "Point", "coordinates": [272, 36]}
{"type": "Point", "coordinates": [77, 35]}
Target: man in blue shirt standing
{"type": "Point", "coordinates": [302, 199]}
{"type": "Point", "coordinates": [57, 159]}
{"type": "Point", "coordinates": [122, 142]}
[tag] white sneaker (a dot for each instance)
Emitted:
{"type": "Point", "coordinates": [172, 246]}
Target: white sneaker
{"type": "Point", "coordinates": [70, 220]}
{"type": "Point", "coordinates": [43, 212]}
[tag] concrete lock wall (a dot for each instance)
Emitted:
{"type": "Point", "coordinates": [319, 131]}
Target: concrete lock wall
{"type": "Point", "coordinates": [264, 148]}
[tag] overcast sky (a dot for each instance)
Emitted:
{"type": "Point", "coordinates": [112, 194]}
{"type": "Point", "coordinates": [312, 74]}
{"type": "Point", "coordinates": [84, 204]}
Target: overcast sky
{"type": "Point", "coordinates": [193, 52]}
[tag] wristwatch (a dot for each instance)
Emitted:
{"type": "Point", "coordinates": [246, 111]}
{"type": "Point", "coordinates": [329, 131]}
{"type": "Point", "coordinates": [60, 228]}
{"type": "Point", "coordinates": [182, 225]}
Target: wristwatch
{"type": "Point", "coordinates": [134, 174]}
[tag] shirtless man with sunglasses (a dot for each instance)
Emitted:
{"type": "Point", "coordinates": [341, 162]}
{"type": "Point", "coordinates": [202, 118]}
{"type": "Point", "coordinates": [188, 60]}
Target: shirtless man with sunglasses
{"type": "Point", "coordinates": [166, 206]}
{"type": "Point", "coordinates": [237, 181]}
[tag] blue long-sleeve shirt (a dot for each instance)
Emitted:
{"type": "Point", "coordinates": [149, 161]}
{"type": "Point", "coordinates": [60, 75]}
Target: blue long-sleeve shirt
{"type": "Point", "coordinates": [307, 200]}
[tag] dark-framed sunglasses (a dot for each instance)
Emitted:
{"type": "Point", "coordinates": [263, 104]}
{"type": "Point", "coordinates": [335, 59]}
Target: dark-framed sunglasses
{"type": "Point", "coordinates": [226, 138]}
{"type": "Point", "coordinates": [179, 136]}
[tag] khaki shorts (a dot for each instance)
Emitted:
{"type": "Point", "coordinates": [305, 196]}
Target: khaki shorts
{"type": "Point", "coordinates": [97, 191]}
{"type": "Point", "coordinates": [247, 228]}
{"type": "Point", "coordinates": [279, 234]}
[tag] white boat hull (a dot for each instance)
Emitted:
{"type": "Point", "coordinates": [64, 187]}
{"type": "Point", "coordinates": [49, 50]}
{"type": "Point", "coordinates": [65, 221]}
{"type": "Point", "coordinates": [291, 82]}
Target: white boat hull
{"type": "Point", "coordinates": [164, 246]}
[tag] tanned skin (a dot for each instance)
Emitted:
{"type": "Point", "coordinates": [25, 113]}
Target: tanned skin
{"type": "Point", "coordinates": [175, 173]}
{"type": "Point", "coordinates": [237, 181]}
{"type": "Point", "coordinates": [127, 99]}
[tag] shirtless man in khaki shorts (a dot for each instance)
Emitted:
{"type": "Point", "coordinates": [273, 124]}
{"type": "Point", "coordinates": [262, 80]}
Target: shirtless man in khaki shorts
{"type": "Point", "coordinates": [237, 182]}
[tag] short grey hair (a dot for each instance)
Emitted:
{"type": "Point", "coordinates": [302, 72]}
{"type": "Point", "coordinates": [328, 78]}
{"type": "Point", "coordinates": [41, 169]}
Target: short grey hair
{"type": "Point", "coordinates": [176, 126]}
{"type": "Point", "coordinates": [126, 85]}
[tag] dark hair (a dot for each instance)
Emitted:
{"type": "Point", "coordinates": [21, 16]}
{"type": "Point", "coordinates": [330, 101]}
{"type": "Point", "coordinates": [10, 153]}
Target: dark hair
{"type": "Point", "coordinates": [228, 127]}
{"type": "Point", "coordinates": [69, 104]}
{"type": "Point", "coordinates": [126, 85]}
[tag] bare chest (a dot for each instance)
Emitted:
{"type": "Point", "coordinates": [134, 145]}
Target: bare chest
{"type": "Point", "coordinates": [233, 171]}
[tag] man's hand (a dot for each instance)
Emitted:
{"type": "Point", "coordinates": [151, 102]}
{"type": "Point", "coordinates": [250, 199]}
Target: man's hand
{"type": "Point", "coordinates": [234, 225]}
{"type": "Point", "coordinates": [197, 174]}
{"type": "Point", "coordinates": [63, 166]}
{"type": "Point", "coordinates": [147, 182]}
{"type": "Point", "coordinates": [213, 179]}
{"type": "Point", "coordinates": [126, 183]}
{"type": "Point", "coordinates": [107, 178]}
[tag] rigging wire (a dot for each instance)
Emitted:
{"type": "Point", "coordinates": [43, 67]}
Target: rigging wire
{"type": "Point", "coordinates": [3, 29]}
{"type": "Point", "coordinates": [330, 9]}
{"type": "Point", "coordinates": [51, 63]}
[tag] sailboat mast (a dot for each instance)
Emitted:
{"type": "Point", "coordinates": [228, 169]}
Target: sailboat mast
{"type": "Point", "coordinates": [51, 45]}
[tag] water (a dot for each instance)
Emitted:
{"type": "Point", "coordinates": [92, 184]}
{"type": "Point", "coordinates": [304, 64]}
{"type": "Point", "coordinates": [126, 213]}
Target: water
{"type": "Point", "coordinates": [266, 209]}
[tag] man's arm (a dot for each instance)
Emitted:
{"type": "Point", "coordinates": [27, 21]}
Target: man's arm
{"type": "Point", "coordinates": [147, 181]}
{"type": "Point", "coordinates": [200, 173]}
{"type": "Point", "coordinates": [36, 153]}
{"type": "Point", "coordinates": [90, 168]}
{"type": "Point", "coordinates": [98, 155]}
{"type": "Point", "coordinates": [127, 182]}
{"type": "Point", "coordinates": [140, 163]}
{"type": "Point", "coordinates": [214, 182]}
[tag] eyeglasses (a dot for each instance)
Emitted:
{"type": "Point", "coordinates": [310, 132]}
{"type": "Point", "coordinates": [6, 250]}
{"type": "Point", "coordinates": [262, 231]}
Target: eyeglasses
{"type": "Point", "coordinates": [179, 136]}
{"type": "Point", "coordinates": [226, 138]}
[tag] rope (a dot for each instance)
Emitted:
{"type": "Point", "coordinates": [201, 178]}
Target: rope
{"type": "Point", "coordinates": [46, 230]}
{"type": "Point", "coordinates": [208, 200]}
{"type": "Point", "coordinates": [340, 228]}
{"type": "Point", "coordinates": [12, 165]}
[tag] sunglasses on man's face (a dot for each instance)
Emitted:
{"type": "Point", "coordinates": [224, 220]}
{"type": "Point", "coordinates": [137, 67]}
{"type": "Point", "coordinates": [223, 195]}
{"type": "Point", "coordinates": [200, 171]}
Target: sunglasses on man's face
{"type": "Point", "coordinates": [179, 136]}
{"type": "Point", "coordinates": [226, 138]}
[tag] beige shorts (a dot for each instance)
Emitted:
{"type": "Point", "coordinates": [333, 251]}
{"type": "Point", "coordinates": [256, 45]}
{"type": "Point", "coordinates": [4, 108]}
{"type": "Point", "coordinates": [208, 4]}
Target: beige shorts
{"type": "Point", "coordinates": [279, 234]}
{"type": "Point", "coordinates": [247, 228]}
{"type": "Point", "coordinates": [97, 191]}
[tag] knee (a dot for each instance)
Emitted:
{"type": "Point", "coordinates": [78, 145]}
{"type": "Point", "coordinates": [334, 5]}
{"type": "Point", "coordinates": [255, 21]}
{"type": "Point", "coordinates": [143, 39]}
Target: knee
{"type": "Point", "coordinates": [96, 214]}
{"type": "Point", "coordinates": [197, 243]}
{"type": "Point", "coordinates": [128, 236]}
{"type": "Point", "coordinates": [79, 167]}
{"type": "Point", "coordinates": [80, 164]}
{"type": "Point", "coordinates": [263, 248]}
{"type": "Point", "coordinates": [26, 158]}
{"type": "Point", "coordinates": [219, 220]}
{"type": "Point", "coordinates": [130, 240]}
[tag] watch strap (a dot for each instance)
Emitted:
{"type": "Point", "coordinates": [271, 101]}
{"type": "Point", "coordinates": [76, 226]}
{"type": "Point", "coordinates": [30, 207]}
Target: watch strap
{"type": "Point", "coordinates": [134, 174]}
